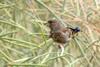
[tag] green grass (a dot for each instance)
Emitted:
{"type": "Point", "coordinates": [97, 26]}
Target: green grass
{"type": "Point", "coordinates": [24, 40]}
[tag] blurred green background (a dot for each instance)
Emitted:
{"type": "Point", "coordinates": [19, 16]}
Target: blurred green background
{"type": "Point", "coordinates": [24, 38]}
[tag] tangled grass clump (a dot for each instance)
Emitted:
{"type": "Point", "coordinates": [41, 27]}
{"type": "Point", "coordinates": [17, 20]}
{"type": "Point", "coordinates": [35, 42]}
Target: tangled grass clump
{"type": "Point", "coordinates": [24, 38]}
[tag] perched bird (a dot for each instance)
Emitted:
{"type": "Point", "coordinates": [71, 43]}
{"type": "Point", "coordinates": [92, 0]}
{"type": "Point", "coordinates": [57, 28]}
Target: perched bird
{"type": "Point", "coordinates": [59, 33]}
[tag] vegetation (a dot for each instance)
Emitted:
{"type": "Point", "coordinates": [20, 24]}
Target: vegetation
{"type": "Point", "coordinates": [24, 40]}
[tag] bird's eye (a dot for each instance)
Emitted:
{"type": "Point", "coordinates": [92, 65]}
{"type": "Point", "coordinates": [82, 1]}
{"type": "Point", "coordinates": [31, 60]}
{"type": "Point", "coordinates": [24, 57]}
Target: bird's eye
{"type": "Point", "coordinates": [50, 21]}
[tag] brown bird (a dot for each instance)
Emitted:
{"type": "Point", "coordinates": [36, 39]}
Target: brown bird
{"type": "Point", "coordinates": [59, 33]}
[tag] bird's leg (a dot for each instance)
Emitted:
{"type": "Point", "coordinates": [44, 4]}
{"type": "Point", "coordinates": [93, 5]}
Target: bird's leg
{"type": "Point", "coordinates": [62, 49]}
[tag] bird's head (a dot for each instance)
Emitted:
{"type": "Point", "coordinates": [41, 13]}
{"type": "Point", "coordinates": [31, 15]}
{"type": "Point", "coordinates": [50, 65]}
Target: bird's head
{"type": "Point", "coordinates": [54, 25]}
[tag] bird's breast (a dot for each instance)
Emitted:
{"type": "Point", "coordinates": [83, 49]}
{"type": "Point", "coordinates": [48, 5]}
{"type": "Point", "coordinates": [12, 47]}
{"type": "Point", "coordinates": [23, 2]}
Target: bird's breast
{"type": "Point", "coordinates": [60, 36]}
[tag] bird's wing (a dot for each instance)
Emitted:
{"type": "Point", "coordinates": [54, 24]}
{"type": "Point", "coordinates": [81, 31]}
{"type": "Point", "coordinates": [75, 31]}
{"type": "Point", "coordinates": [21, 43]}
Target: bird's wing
{"type": "Point", "coordinates": [68, 32]}
{"type": "Point", "coordinates": [64, 30]}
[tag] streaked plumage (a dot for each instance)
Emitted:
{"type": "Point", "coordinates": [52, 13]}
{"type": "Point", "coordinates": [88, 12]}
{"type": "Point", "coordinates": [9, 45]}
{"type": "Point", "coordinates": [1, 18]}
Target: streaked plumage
{"type": "Point", "coordinates": [59, 33]}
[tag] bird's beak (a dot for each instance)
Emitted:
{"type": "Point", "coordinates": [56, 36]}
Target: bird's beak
{"type": "Point", "coordinates": [47, 24]}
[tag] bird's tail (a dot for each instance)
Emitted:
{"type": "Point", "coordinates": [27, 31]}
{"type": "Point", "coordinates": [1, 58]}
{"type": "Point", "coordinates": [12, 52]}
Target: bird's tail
{"type": "Point", "coordinates": [75, 30]}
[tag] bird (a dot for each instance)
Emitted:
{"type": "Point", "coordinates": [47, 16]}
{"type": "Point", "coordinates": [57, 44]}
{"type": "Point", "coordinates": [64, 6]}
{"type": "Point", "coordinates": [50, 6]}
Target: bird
{"type": "Point", "coordinates": [61, 34]}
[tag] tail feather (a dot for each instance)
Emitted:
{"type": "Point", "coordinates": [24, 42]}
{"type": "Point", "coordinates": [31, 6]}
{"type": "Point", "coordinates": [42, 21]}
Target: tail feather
{"type": "Point", "coordinates": [75, 30]}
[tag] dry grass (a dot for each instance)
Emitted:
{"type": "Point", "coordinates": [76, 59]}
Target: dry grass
{"type": "Point", "coordinates": [23, 35]}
